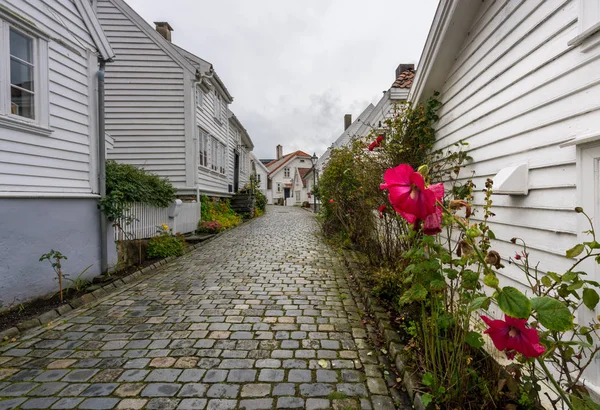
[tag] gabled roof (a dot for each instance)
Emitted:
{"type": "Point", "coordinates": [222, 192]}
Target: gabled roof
{"type": "Point", "coordinates": [405, 79]}
{"type": "Point", "coordinates": [246, 140]}
{"type": "Point", "coordinates": [275, 165]}
{"type": "Point", "coordinates": [205, 67]}
{"type": "Point", "coordinates": [258, 162]}
{"type": "Point", "coordinates": [92, 23]}
{"type": "Point", "coordinates": [159, 40]}
{"type": "Point", "coordinates": [302, 172]}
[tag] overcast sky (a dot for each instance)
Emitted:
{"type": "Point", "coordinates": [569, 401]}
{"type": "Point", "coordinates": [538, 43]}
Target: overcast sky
{"type": "Point", "coordinates": [295, 67]}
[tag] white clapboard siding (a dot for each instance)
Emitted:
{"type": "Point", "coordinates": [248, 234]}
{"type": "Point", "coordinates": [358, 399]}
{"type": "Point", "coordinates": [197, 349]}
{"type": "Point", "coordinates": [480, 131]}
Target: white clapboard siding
{"type": "Point", "coordinates": [58, 163]}
{"type": "Point", "coordinates": [144, 99]}
{"type": "Point", "coordinates": [143, 221]}
{"type": "Point", "coordinates": [208, 180]}
{"type": "Point", "coordinates": [515, 93]}
{"type": "Point", "coordinates": [234, 141]}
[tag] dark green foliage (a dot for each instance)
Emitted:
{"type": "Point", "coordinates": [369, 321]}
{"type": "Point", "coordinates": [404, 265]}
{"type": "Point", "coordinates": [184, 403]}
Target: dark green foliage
{"type": "Point", "coordinates": [164, 245]}
{"type": "Point", "coordinates": [126, 184]}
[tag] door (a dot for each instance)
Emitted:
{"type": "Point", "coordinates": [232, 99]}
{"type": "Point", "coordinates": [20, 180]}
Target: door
{"type": "Point", "coordinates": [236, 171]}
{"type": "Point", "coordinates": [286, 193]}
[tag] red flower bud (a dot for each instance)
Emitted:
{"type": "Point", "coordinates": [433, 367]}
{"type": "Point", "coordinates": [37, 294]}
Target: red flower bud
{"type": "Point", "coordinates": [331, 201]}
{"type": "Point", "coordinates": [518, 257]}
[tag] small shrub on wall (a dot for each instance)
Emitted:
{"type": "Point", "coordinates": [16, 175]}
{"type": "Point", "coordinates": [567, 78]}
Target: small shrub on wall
{"type": "Point", "coordinates": [164, 244]}
{"type": "Point", "coordinates": [215, 210]}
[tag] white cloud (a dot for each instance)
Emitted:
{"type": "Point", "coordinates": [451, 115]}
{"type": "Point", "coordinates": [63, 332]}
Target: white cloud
{"type": "Point", "coordinates": [295, 68]}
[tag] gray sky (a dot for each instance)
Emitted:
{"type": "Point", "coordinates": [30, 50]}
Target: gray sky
{"type": "Point", "coordinates": [295, 67]}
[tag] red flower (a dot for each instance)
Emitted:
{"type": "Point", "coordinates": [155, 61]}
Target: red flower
{"type": "Point", "coordinates": [517, 257]}
{"type": "Point", "coordinates": [379, 139]}
{"type": "Point", "coordinates": [511, 335]}
{"type": "Point", "coordinates": [408, 194]}
{"type": "Point", "coordinates": [381, 210]}
{"type": "Point", "coordinates": [331, 201]}
{"type": "Point", "coordinates": [373, 145]}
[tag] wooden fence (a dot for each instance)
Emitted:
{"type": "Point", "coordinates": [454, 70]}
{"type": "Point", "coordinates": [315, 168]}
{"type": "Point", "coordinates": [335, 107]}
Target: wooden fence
{"type": "Point", "coordinates": [145, 220]}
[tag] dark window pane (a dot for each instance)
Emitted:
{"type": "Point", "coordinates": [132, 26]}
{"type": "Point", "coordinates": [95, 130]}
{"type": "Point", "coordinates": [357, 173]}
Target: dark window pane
{"type": "Point", "coordinates": [21, 103]}
{"type": "Point", "coordinates": [21, 75]}
{"type": "Point", "coordinates": [21, 46]}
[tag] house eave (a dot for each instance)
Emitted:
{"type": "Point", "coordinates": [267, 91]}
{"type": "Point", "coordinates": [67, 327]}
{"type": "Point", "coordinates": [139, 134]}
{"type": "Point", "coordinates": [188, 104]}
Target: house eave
{"type": "Point", "coordinates": [449, 29]}
{"type": "Point", "coordinates": [93, 25]}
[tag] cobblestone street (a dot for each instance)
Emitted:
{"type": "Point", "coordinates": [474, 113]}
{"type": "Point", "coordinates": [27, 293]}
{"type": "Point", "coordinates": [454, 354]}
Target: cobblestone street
{"type": "Point", "coordinates": [262, 317]}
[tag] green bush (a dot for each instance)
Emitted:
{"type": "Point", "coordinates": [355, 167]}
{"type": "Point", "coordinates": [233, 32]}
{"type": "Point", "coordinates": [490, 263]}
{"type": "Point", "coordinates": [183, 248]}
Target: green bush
{"type": "Point", "coordinates": [260, 200]}
{"type": "Point", "coordinates": [218, 211]}
{"type": "Point", "coordinates": [164, 244]}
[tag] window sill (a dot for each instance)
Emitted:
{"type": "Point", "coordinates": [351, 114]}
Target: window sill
{"type": "Point", "coordinates": [24, 126]}
{"type": "Point", "coordinates": [580, 39]}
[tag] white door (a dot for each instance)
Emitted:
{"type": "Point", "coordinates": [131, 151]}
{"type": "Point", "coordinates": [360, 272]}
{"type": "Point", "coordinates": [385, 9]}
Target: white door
{"type": "Point", "coordinates": [588, 166]}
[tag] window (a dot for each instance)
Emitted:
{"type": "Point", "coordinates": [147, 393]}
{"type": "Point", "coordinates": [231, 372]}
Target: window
{"type": "Point", "coordinates": [23, 75]}
{"type": "Point", "coordinates": [258, 178]}
{"type": "Point", "coordinates": [203, 147]}
{"type": "Point", "coordinates": [223, 166]}
{"type": "Point", "coordinates": [589, 24]}
{"type": "Point", "coordinates": [302, 161]}
{"type": "Point", "coordinates": [242, 161]}
{"type": "Point", "coordinates": [278, 187]}
{"type": "Point", "coordinates": [217, 103]}
{"type": "Point", "coordinates": [286, 172]}
{"type": "Point", "coordinates": [199, 97]}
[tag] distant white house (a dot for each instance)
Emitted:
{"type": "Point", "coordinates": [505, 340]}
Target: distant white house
{"type": "Point", "coordinates": [282, 171]}
{"type": "Point", "coordinates": [261, 173]}
{"type": "Point", "coordinates": [520, 83]}
{"type": "Point", "coordinates": [167, 109]}
{"type": "Point", "coordinates": [374, 116]}
{"type": "Point", "coordinates": [49, 137]}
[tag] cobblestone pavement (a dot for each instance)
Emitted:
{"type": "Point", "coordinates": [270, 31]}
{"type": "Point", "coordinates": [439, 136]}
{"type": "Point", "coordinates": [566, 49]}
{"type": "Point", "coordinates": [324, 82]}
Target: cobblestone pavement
{"type": "Point", "coordinates": [260, 318]}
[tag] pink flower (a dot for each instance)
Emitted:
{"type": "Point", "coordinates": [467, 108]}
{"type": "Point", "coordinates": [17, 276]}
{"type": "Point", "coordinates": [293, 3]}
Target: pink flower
{"type": "Point", "coordinates": [511, 335]}
{"type": "Point", "coordinates": [331, 201]}
{"type": "Point", "coordinates": [373, 145]}
{"type": "Point", "coordinates": [432, 225]}
{"type": "Point", "coordinates": [382, 208]}
{"type": "Point", "coordinates": [407, 193]}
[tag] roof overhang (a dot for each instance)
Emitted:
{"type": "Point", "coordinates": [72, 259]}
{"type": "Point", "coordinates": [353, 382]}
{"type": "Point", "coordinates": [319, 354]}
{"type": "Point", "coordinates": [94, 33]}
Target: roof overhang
{"type": "Point", "coordinates": [93, 25]}
{"type": "Point", "coordinates": [451, 24]}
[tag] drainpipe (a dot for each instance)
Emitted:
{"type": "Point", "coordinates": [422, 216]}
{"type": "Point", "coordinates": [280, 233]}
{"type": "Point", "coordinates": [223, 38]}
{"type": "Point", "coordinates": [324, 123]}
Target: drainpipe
{"type": "Point", "coordinates": [102, 168]}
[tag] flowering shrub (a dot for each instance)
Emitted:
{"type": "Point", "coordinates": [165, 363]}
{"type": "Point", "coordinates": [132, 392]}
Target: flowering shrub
{"type": "Point", "coordinates": [164, 244]}
{"type": "Point", "coordinates": [209, 227]}
{"type": "Point", "coordinates": [217, 211]}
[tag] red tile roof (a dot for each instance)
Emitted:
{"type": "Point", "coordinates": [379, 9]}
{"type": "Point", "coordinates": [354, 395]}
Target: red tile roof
{"type": "Point", "coordinates": [405, 79]}
{"type": "Point", "coordinates": [303, 172]}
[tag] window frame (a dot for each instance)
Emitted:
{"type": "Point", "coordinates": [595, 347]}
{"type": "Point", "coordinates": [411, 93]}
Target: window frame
{"type": "Point", "coordinates": [39, 124]}
{"type": "Point", "coordinates": [199, 97]}
{"type": "Point", "coordinates": [589, 25]}
{"type": "Point", "coordinates": [286, 172]}
{"type": "Point", "coordinates": [217, 107]}
{"type": "Point", "coordinates": [203, 142]}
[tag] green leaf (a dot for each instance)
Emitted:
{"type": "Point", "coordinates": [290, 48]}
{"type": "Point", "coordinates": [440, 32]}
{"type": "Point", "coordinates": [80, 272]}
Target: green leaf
{"type": "Point", "coordinates": [555, 276]}
{"type": "Point", "coordinates": [427, 379]}
{"type": "Point", "coordinates": [584, 403]}
{"type": "Point", "coordinates": [593, 244]}
{"type": "Point", "coordinates": [482, 302]}
{"type": "Point", "coordinates": [546, 281]}
{"type": "Point", "coordinates": [590, 298]}
{"type": "Point", "coordinates": [575, 250]}
{"type": "Point", "coordinates": [569, 276]}
{"type": "Point", "coordinates": [416, 293]}
{"type": "Point", "coordinates": [491, 234]}
{"type": "Point", "coordinates": [474, 339]}
{"type": "Point", "coordinates": [552, 314]}
{"type": "Point", "coordinates": [491, 280]}
{"type": "Point", "coordinates": [512, 302]}
{"type": "Point", "coordinates": [576, 285]}
{"type": "Point", "coordinates": [426, 399]}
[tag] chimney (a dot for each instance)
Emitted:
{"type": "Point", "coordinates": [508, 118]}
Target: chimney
{"type": "Point", "coordinates": [279, 151]}
{"type": "Point", "coordinates": [164, 29]}
{"type": "Point", "coordinates": [403, 67]}
{"type": "Point", "coordinates": [347, 121]}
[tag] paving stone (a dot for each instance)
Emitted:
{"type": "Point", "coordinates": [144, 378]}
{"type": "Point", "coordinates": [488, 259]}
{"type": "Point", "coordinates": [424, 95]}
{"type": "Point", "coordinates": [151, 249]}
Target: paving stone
{"type": "Point", "coordinates": [39, 403]}
{"type": "Point", "coordinates": [133, 375]}
{"type": "Point", "coordinates": [160, 390]}
{"type": "Point", "coordinates": [352, 389]}
{"type": "Point", "coordinates": [256, 404]}
{"type": "Point", "coordinates": [271, 375]}
{"type": "Point", "coordinates": [221, 404]}
{"type": "Point", "coordinates": [163, 375]}
{"type": "Point", "coordinates": [192, 404]}
{"type": "Point", "coordinates": [317, 404]}
{"type": "Point", "coordinates": [191, 375]}
{"type": "Point", "coordinates": [162, 404]}
{"type": "Point", "coordinates": [17, 389]}
{"type": "Point", "coordinates": [383, 403]}
{"type": "Point", "coordinates": [299, 376]}
{"type": "Point", "coordinates": [290, 403]}
{"type": "Point", "coordinates": [327, 376]}
{"type": "Point", "coordinates": [100, 389]}
{"type": "Point", "coordinates": [47, 389]}
{"type": "Point", "coordinates": [377, 386]}
{"type": "Point", "coordinates": [67, 403]}
{"type": "Point", "coordinates": [11, 404]}
{"type": "Point", "coordinates": [215, 376]}
{"type": "Point", "coordinates": [99, 403]}
{"type": "Point", "coordinates": [316, 389]}
{"type": "Point", "coordinates": [223, 391]}
{"type": "Point", "coordinates": [129, 389]}
{"type": "Point", "coordinates": [132, 404]}
{"type": "Point", "coordinates": [241, 376]}
{"type": "Point", "coordinates": [284, 389]}
{"type": "Point", "coordinates": [256, 390]}
{"type": "Point", "coordinates": [193, 390]}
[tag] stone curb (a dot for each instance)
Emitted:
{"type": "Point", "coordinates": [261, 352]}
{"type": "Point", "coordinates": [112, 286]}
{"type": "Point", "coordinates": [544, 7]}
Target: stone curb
{"type": "Point", "coordinates": [390, 336]}
{"type": "Point", "coordinates": [102, 292]}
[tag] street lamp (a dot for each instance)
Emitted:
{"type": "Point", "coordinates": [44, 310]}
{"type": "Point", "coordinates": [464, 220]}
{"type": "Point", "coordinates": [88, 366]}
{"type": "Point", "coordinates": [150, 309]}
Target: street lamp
{"type": "Point", "coordinates": [314, 160]}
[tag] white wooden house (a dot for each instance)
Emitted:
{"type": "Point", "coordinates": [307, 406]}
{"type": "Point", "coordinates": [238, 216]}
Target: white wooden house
{"type": "Point", "coordinates": [261, 173]}
{"type": "Point", "coordinates": [373, 117]}
{"type": "Point", "coordinates": [49, 185]}
{"type": "Point", "coordinates": [520, 83]}
{"type": "Point", "coordinates": [281, 176]}
{"type": "Point", "coordinates": [240, 169]}
{"type": "Point", "coordinates": [167, 109]}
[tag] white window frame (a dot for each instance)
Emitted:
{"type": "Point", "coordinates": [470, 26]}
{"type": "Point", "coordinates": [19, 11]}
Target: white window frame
{"type": "Point", "coordinates": [589, 25]}
{"type": "Point", "coordinates": [279, 187]}
{"type": "Point", "coordinates": [286, 172]}
{"type": "Point", "coordinates": [203, 145]}
{"type": "Point", "coordinates": [199, 97]}
{"type": "Point", "coordinates": [40, 123]}
{"type": "Point", "coordinates": [223, 167]}
{"type": "Point", "coordinates": [218, 107]}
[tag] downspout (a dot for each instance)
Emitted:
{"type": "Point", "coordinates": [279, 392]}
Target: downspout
{"type": "Point", "coordinates": [102, 168]}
